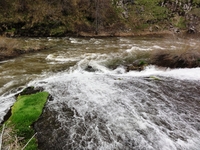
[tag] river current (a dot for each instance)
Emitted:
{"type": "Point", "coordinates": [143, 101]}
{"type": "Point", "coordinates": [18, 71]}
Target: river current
{"type": "Point", "coordinates": [106, 109]}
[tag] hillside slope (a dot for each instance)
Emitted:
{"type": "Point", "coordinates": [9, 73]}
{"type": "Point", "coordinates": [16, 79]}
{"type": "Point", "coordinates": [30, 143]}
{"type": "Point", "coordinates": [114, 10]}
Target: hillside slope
{"type": "Point", "coordinates": [73, 17]}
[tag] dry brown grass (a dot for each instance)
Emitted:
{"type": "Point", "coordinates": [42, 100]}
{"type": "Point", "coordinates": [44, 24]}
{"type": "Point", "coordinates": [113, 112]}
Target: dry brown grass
{"type": "Point", "coordinates": [10, 140]}
{"type": "Point", "coordinates": [11, 47]}
{"type": "Point", "coordinates": [7, 45]}
{"type": "Point", "coordinates": [185, 56]}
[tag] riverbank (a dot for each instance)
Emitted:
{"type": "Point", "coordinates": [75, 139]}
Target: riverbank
{"type": "Point", "coordinates": [127, 34]}
{"type": "Point", "coordinates": [11, 48]}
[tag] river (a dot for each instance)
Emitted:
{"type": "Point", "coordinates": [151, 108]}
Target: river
{"type": "Point", "coordinates": [106, 109]}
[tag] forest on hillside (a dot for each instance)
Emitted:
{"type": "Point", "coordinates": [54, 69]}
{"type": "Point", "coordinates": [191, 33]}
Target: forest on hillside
{"type": "Point", "coordinates": [65, 17]}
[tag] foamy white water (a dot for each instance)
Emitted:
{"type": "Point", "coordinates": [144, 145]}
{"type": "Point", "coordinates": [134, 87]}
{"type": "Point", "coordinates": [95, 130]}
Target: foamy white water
{"type": "Point", "coordinates": [127, 111]}
{"type": "Point", "coordinates": [182, 74]}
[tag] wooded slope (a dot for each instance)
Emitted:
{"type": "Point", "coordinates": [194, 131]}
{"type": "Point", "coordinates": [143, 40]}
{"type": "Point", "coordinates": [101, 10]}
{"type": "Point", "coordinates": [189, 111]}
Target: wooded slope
{"type": "Point", "coordinates": [64, 17]}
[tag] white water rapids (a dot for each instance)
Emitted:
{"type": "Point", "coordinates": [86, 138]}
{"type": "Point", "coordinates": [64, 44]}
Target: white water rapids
{"type": "Point", "coordinates": [155, 109]}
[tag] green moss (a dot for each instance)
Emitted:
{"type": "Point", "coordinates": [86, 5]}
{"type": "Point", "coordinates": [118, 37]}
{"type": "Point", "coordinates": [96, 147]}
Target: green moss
{"type": "Point", "coordinates": [11, 30]}
{"type": "Point", "coordinates": [25, 112]}
{"type": "Point", "coordinates": [59, 31]}
{"type": "Point", "coordinates": [142, 26]}
{"type": "Point", "coordinates": [142, 63]}
{"type": "Point", "coordinates": [181, 23]}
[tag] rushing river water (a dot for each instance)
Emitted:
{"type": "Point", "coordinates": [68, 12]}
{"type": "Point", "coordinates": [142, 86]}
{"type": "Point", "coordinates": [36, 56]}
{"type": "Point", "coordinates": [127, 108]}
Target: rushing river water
{"type": "Point", "coordinates": [104, 109]}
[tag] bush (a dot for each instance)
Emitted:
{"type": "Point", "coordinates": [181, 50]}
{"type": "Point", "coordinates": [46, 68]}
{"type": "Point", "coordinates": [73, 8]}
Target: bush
{"type": "Point", "coordinates": [176, 58]}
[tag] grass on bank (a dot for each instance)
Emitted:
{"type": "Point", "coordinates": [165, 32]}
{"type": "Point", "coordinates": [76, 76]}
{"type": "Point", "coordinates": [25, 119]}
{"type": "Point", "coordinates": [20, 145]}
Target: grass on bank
{"type": "Point", "coordinates": [25, 112]}
{"type": "Point", "coordinates": [184, 57]}
{"type": "Point", "coordinates": [13, 47]}
{"type": "Point", "coordinates": [7, 45]}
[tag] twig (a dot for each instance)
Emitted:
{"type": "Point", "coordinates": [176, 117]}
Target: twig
{"type": "Point", "coordinates": [1, 137]}
{"type": "Point", "coordinates": [29, 141]}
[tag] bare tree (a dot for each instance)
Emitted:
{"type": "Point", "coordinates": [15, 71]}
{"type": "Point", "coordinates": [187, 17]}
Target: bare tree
{"type": "Point", "coordinates": [96, 16]}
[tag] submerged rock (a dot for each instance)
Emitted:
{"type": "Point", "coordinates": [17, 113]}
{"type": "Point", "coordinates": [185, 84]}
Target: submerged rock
{"type": "Point", "coordinates": [137, 65]}
{"type": "Point", "coordinates": [133, 67]}
{"type": "Point", "coordinates": [50, 133]}
{"type": "Point", "coordinates": [90, 69]}
{"type": "Point", "coordinates": [31, 90]}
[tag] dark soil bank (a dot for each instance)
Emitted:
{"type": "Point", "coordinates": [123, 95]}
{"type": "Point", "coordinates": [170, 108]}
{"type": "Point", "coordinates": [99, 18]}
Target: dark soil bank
{"type": "Point", "coordinates": [6, 54]}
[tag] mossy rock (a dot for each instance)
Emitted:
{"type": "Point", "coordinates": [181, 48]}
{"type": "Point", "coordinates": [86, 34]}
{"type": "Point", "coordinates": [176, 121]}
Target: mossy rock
{"type": "Point", "coordinates": [26, 110]}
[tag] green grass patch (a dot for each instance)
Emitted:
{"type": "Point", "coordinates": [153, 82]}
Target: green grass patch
{"type": "Point", "coordinates": [25, 112]}
{"type": "Point", "coordinates": [59, 31]}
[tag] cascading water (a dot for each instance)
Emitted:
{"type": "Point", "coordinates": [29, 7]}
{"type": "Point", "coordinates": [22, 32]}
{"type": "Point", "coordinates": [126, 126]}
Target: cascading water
{"type": "Point", "coordinates": [155, 109]}
{"type": "Point", "coordinates": [121, 111]}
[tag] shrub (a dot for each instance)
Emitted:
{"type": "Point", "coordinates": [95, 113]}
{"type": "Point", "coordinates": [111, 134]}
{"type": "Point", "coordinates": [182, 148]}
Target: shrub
{"type": "Point", "coordinates": [182, 58]}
